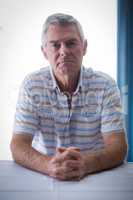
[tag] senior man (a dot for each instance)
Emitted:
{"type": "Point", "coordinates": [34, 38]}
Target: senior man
{"type": "Point", "coordinates": [68, 120]}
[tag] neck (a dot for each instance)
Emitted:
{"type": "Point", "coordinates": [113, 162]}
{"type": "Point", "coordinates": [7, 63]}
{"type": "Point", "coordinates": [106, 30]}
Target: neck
{"type": "Point", "coordinates": [68, 84]}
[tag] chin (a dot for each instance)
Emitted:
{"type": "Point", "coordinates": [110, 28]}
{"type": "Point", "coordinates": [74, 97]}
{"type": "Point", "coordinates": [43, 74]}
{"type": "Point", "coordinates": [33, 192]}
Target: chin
{"type": "Point", "coordinates": [64, 70]}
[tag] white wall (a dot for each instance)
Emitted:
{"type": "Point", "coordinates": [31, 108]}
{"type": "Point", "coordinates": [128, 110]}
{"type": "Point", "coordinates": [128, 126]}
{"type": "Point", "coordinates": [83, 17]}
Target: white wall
{"type": "Point", "coordinates": [20, 32]}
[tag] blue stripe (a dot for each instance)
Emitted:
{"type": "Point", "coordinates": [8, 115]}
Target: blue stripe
{"type": "Point", "coordinates": [79, 130]}
{"type": "Point", "coordinates": [24, 129]}
{"type": "Point", "coordinates": [26, 117]}
{"type": "Point", "coordinates": [116, 114]}
{"type": "Point", "coordinates": [47, 126]}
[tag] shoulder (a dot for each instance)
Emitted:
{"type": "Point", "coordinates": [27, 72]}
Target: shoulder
{"type": "Point", "coordinates": [37, 78]}
{"type": "Point", "coordinates": [98, 78]}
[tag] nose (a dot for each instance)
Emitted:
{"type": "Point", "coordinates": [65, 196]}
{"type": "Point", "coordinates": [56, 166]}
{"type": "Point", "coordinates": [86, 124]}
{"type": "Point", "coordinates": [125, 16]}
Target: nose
{"type": "Point", "coordinates": [63, 49]}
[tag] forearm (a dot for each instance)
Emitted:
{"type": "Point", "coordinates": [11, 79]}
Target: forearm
{"type": "Point", "coordinates": [28, 157]}
{"type": "Point", "coordinates": [103, 159]}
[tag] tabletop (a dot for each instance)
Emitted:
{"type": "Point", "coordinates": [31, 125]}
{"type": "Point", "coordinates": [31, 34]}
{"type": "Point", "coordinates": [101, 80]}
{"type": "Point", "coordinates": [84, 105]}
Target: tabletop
{"type": "Point", "coordinates": [19, 183]}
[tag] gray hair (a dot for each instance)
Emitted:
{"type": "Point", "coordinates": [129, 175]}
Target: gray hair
{"type": "Point", "coordinates": [63, 20]}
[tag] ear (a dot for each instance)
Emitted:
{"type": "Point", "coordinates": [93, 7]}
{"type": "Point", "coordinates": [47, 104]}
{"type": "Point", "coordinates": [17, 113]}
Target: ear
{"type": "Point", "coordinates": [85, 47]}
{"type": "Point", "coordinates": [44, 52]}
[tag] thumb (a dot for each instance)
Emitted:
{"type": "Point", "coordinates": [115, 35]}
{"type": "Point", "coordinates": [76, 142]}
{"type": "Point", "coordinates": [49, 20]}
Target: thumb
{"type": "Point", "coordinates": [61, 149]}
{"type": "Point", "coordinates": [74, 148]}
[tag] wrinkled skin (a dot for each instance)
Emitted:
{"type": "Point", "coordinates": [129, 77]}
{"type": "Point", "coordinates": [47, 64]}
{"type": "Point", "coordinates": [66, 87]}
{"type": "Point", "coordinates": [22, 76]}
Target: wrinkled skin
{"type": "Point", "coordinates": [67, 164]}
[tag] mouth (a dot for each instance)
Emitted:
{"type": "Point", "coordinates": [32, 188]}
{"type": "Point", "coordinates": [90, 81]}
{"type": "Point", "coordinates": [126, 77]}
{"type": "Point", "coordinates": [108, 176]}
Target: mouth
{"type": "Point", "coordinates": [64, 62]}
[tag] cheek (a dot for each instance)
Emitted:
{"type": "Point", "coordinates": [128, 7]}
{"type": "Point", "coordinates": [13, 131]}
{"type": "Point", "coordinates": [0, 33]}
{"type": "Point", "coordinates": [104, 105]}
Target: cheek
{"type": "Point", "coordinates": [52, 57]}
{"type": "Point", "coordinates": [78, 54]}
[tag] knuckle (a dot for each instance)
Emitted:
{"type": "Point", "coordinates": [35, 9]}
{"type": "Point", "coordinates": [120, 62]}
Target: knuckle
{"type": "Point", "coordinates": [66, 153]}
{"type": "Point", "coordinates": [66, 163]}
{"type": "Point", "coordinates": [53, 160]}
{"type": "Point", "coordinates": [55, 172]}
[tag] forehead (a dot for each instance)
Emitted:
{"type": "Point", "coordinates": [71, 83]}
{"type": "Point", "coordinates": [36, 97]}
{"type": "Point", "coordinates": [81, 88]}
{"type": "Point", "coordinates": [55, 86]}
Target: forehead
{"type": "Point", "coordinates": [62, 33]}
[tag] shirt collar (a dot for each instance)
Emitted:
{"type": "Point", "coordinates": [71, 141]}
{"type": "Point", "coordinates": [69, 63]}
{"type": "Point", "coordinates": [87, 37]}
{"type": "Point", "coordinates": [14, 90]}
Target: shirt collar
{"type": "Point", "coordinates": [55, 85]}
{"type": "Point", "coordinates": [53, 79]}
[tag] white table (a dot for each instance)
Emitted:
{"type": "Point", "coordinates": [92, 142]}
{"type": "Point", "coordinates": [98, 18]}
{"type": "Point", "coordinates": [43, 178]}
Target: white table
{"type": "Point", "coordinates": [18, 183]}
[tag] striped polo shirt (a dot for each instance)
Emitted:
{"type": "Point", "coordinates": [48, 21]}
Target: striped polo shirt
{"type": "Point", "coordinates": [43, 111]}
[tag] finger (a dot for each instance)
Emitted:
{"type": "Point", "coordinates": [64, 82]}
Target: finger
{"type": "Point", "coordinates": [71, 154]}
{"type": "Point", "coordinates": [57, 159]}
{"type": "Point", "coordinates": [61, 149]}
{"type": "Point", "coordinates": [65, 173]}
{"type": "Point", "coordinates": [67, 154]}
{"type": "Point", "coordinates": [71, 165]}
{"type": "Point", "coordinates": [72, 175]}
{"type": "Point", "coordinates": [74, 148]}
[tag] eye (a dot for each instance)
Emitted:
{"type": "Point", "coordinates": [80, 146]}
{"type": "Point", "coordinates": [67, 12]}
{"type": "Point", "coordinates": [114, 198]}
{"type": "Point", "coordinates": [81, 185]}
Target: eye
{"type": "Point", "coordinates": [56, 45]}
{"type": "Point", "coordinates": [71, 43]}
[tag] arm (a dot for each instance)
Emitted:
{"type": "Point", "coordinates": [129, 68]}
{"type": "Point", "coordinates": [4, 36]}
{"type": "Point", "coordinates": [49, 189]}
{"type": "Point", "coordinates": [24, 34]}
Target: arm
{"type": "Point", "coordinates": [26, 124]}
{"type": "Point", "coordinates": [111, 156]}
{"type": "Point", "coordinates": [63, 166]}
{"type": "Point", "coordinates": [115, 146]}
{"type": "Point", "coordinates": [69, 164]}
{"type": "Point", "coordinates": [25, 155]}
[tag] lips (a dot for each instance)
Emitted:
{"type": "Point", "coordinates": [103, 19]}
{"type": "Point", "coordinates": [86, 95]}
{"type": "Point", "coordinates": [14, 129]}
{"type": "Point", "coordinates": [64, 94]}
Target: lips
{"type": "Point", "coordinates": [65, 62]}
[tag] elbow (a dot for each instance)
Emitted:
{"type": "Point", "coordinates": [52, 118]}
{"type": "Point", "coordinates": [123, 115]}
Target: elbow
{"type": "Point", "coordinates": [122, 153]}
{"type": "Point", "coordinates": [13, 149]}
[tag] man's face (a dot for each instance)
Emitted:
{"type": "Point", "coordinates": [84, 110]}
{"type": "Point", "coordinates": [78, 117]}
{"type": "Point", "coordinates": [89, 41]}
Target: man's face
{"type": "Point", "coordinates": [64, 49]}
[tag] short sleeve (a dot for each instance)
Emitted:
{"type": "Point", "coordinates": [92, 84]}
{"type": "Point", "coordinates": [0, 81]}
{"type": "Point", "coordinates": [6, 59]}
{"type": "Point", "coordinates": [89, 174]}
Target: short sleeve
{"type": "Point", "coordinates": [26, 120]}
{"type": "Point", "coordinates": [111, 117]}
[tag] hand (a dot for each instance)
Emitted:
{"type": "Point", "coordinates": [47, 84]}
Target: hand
{"type": "Point", "coordinates": [67, 164]}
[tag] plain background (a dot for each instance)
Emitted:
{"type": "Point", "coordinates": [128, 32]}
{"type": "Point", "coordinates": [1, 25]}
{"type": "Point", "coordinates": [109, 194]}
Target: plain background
{"type": "Point", "coordinates": [20, 34]}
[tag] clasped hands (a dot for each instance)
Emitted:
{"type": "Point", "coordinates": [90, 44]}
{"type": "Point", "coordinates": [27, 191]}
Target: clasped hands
{"type": "Point", "coordinates": [67, 164]}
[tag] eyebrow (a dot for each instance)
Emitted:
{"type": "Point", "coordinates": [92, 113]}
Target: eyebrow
{"type": "Point", "coordinates": [53, 41]}
{"type": "Point", "coordinates": [56, 41]}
